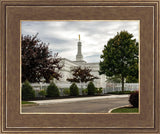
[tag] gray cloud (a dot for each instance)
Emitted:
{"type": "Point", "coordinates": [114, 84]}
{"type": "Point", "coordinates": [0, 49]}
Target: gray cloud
{"type": "Point", "coordinates": [62, 36]}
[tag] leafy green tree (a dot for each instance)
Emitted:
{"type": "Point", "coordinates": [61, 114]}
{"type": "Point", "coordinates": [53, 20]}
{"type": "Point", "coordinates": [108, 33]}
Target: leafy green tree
{"type": "Point", "coordinates": [120, 57]}
{"type": "Point", "coordinates": [133, 75]}
{"type": "Point", "coordinates": [131, 79]}
{"type": "Point", "coordinates": [114, 79]}
{"type": "Point", "coordinates": [27, 91]}
{"type": "Point", "coordinates": [52, 90]}
{"type": "Point", "coordinates": [91, 89]}
{"type": "Point", "coordinates": [74, 91]}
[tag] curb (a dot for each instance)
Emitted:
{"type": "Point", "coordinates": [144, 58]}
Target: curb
{"type": "Point", "coordinates": [118, 107]}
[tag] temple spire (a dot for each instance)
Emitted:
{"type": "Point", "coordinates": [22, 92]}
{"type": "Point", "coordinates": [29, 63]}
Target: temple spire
{"type": "Point", "coordinates": [79, 56]}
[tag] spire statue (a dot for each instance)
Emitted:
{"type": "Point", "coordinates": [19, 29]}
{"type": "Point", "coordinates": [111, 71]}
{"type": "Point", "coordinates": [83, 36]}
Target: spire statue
{"type": "Point", "coordinates": [79, 56]}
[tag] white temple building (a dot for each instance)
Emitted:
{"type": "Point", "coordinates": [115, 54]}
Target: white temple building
{"type": "Point", "coordinates": [69, 65]}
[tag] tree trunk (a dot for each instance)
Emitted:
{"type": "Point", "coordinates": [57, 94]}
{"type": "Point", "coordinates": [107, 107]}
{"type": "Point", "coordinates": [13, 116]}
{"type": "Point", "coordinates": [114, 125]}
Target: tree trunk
{"type": "Point", "coordinates": [122, 84]}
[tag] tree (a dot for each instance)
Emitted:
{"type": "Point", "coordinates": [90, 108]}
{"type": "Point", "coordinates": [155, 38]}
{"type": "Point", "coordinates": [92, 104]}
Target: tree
{"type": "Point", "coordinates": [133, 76]}
{"type": "Point", "coordinates": [37, 60]}
{"type": "Point", "coordinates": [114, 79]}
{"type": "Point", "coordinates": [81, 75]}
{"type": "Point", "coordinates": [74, 91]}
{"type": "Point", "coordinates": [131, 79]}
{"type": "Point", "coordinates": [27, 91]}
{"type": "Point", "coordinates": [120, 57]}
{"type": "Point", "coordinates": [91, 88]}
{"type": "Point", "coordinates": [52, 90]}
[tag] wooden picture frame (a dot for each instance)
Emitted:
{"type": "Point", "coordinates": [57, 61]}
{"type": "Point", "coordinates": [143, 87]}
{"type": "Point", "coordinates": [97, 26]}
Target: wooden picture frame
{"type": "Point", "coordinates": [13, 11]}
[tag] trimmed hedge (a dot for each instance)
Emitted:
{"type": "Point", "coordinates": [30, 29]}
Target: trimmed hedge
{"type": "Point", "coordinates": [66, 92]}
{"type": "Point", "coordinates": [42, 93]}
{"type": "Point", "coordinates": [99, 91]}
{"type": "Point", "coordinates": [27, 91]}
{"type": "Point", "coordinates": [134, 99]}
{"type": "Point", "coordinates": [91, 88]}
{"type": "Point", "coordinates": [52, 90]}
{"type": "Point", "coordinates": [121, 92]}
{"type": "Point", "coordinates": [74, 91]}
{"type": "Point", "coordinates": [84, 91]}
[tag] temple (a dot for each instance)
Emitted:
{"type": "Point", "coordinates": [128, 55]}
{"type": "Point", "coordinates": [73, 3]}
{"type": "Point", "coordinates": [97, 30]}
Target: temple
{"type": "Point", "coordinates": [68, 65]}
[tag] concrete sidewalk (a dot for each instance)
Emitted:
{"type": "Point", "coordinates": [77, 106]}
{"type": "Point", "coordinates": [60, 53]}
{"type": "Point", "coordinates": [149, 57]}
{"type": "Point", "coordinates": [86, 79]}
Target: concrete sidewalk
{"type": "Point", "coordinates": [68, 100]}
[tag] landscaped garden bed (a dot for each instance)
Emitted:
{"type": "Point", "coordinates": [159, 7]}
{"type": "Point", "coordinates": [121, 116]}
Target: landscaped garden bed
{"type": "Point", "coordinates": [53, 92]}
{"type": "Point", "coordinates": [65, 97]}
{"type": "Point", "coordinates": [125, 110]}
{"type": "Point", "coordinates": [121, 92]}
{"type": "Point", "coordinates": [133, 100]}
{"type": "Point", "coordinates": [27, 102]}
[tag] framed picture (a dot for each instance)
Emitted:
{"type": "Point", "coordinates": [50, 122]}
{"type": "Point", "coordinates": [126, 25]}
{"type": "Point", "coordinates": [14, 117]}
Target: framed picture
{"type": "Point", "coordinates": [62, 23]}
{"type": "Point", "coordinates": [64, 75]}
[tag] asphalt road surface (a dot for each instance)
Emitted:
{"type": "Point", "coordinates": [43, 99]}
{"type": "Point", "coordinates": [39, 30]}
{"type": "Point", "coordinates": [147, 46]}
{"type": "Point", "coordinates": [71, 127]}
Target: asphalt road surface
{"type": "Point", "coordinates": [87, 106]}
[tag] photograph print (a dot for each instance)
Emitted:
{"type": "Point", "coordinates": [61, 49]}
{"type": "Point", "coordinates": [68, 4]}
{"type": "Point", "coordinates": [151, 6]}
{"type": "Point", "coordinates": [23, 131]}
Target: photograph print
{"type": "Point", "coordinates": [80, 66]}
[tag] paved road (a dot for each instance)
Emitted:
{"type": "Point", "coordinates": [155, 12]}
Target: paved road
{"type": "Point", "coordinates": [66, 100]}
{"type": "Point", "coordinates": [86, 106]}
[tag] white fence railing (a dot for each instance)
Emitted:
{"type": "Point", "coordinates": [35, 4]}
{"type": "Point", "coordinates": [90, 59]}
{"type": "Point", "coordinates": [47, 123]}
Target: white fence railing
{"type": "Point", "coordinates": [110, 87]}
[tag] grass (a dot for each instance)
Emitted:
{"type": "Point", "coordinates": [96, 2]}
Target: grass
{"type": "Point", "coordinates": [120, 92]}
{"type": "Point", "coordinates": [125, 110]}
{"type": "Point", "coordinates": [27, 102]}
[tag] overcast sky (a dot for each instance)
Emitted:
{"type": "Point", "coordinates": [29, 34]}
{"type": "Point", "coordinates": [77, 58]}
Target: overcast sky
{"type": "Point", "coordinates": [62, 36]}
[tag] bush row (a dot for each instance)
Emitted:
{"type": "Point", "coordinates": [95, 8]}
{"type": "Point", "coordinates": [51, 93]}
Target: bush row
{"type": "Point", "coordinates": [90, 90]}
{"type": "Point", "coordinates": [52, 91]}
{"type": "Point", "coordinates": [28, 93]}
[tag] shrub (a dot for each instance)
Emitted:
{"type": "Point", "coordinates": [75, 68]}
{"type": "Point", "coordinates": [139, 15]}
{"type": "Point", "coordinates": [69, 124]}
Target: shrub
{"type": "Point", "coordinates": [121, 92]}
{"type": "Point", "coordinates": [134, 99]}
{"type": "Point", "coordinates": [74, 91]}
{"type": "Point", "coordinates": [66, 92]}
{"type": "Point", "coordinates": [27, 91]}
{"type": "Point", "coordinates": [96, 90]}
{"type": "Point", "coordinates": [99, 91]}
{"type": "Point", "coordinates": [85, 91]}
{"type": "Point", "coordinates": [91, 88]}
{"type": "Point", "coordinates": [52, 90]}
{"type": "Point", "coordinates": [42, 93]}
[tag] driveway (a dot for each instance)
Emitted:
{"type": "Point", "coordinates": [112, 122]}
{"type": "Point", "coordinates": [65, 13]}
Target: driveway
{"type": "Point", "coordinates": [100, 104]}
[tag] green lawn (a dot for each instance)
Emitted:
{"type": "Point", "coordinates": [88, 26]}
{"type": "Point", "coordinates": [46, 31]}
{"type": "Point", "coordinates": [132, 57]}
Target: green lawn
{"type": "Point", "coordinates": [125, 110]}
{"type": "Point", "coordinates": [27, 102]}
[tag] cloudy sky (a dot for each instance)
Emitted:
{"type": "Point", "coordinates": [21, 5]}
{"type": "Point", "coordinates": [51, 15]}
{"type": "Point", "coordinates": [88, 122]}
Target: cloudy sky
{"type": "Point", "coordinates": [62, 36]}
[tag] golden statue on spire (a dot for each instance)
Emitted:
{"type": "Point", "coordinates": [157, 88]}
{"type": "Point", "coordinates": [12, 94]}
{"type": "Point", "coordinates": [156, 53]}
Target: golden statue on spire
{"type": "Point", "coordinates": [79, 37]}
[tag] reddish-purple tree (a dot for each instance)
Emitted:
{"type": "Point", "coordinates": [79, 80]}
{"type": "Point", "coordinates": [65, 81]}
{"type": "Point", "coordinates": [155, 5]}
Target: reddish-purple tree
{"type": "Point", "coordinates": [81, 75]}
{"type": "Point", "coordinates": [37, 60]}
